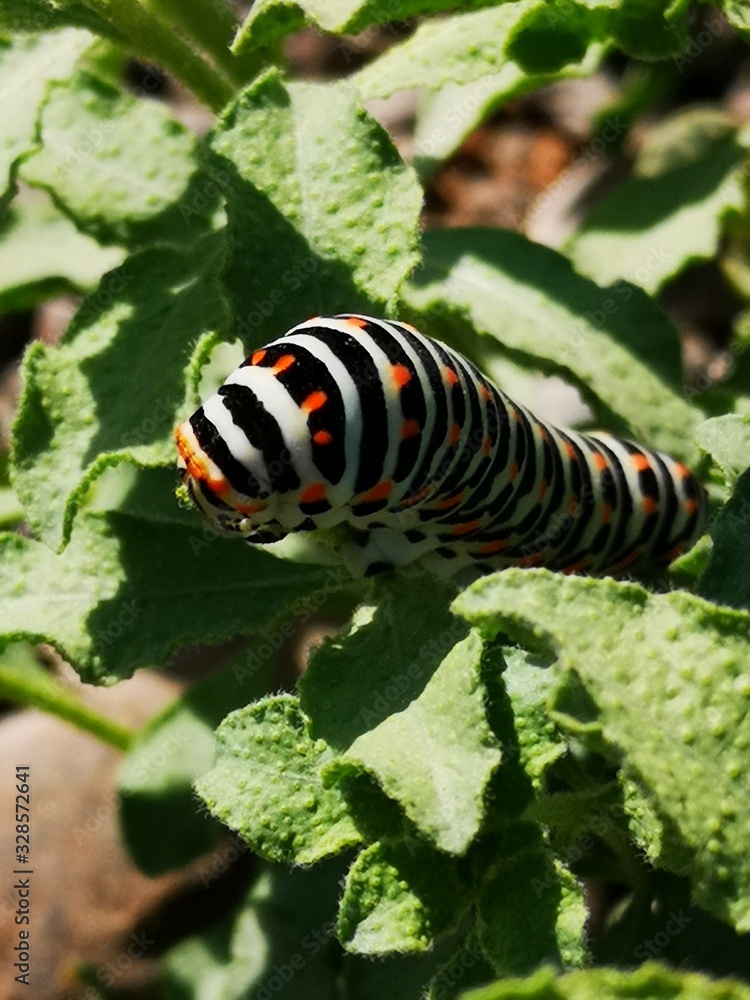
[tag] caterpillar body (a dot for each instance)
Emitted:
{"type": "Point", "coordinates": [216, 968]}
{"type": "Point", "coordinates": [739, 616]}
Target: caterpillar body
{"type": "Point", "coordinates": [398, 449]}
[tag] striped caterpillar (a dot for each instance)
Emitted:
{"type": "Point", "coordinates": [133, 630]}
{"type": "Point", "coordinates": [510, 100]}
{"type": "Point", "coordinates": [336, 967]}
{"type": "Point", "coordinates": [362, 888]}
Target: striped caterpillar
{"type": "Point", "coordinates": [395, 448]}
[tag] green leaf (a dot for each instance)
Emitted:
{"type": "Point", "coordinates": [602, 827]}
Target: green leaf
{"type": "Point", "coordinates": [651, 228]}
{"type": "Point", "coordinates": [661, 920]}
{"type": "Point", "coordinates": [267, 785]}
{"type": "Point", "coordinates": [280, 944]}
{"type": "Point", "coordinates": [456, 50]}
{"type": "Point", "coordinates": [271, 20]}
{"type": "Point", "coordinates": [530, 910]}
{"type": "Point", "coordinates": [42, 254]}
{"type": "Point", "coordinates": [613, 343]}
{"type": "Point", "coordinates": [111, 392]}
{"type": "Point", "coordinates": [726, 579]}
{"type": "Point", "coordinates": [738, 15]}
{"type": "Point", "coordinates": [26, 68]}
{"type": "Point", "coordinates": [52, 15]}
{"type": "Point", "coordinates": [553, 32]}
{"type": "Point", "coordinates": [126, 592]}
{"type": "Point", "coordinates": [668, 675]}
{"type": "Point", "coordinates": [384, 662]}
{"type": "Point", "coordinates": [448, 115]}
{"type": "Point", "coordinates": [550, 35]}
{"type": "Point", "coordinates": [727, 441]}
{"type": "Point", "coordinates": [650, 982]}
{"type": "Point", "coordinates": [436, 756]}
{"type": "Point", "coordinates": [160, 820]}
{"type": "Point", "coordinates": [124, 169]}
{"type": "Point", "coordinates": [305, 165]}
{"type": "Point", "coordinates": [529, 686]}
{"type": "Point", "coordinates": [397, 898]}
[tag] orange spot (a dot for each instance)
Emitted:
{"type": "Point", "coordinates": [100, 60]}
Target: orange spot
{"type": "Point", "coordinates": [464, 529]}
{"type": "Point", "coordinates": [250, 508]}
{"type": "Point", "coordinates": [454, 434]}
{"type": "Point", "coordinates": [410, 428]}
{"type": "Point", "coordinates": [640, 462]}
{"type": "Point", "coordinates": [606, 513]}
{"type": "Point", "coordinates": [690, 506]}
{"type": "Point", "coordinates": [379, 492]}
{"type": "Point", "coordinates": [576, 567]}
{"type": "Point", "coordinates": [514, 414]}
{"type": "Point", "coordinates": [322, 437]}
{"type": "Point", "coordinates": [649, 505]}
{"type": "Point", "coordinates": [681, 470]}
{"type": "Point", "coordinates": [627, 561]}
{"type": "Point", "coordinates": [675, 551]}
{"type": "Point", "coordinates": [489, 547]}
{"type": "Point", "coordinates": [599, 461]}
{"type": "Point", "coordinates": [257, 357]}
{"type": "Point", "coordinates": [284, 362]}
{"type": "Point", "coordinates": [314, 401]}
{"type": "Point", "coordinates": [450, 376]}
{"type": "Point", "coordinates": [484, 392]}
{"type": "Point", "coordinates": [313, 493]}
{"type": "Point", "coordinates": [543, 488]}
{"type": "Point", "coordinates": [572, 503]}
{"type": "Point", "coordinates": [449, 502]}
{"type": "Point", "coordinates": [570, 450]}
{"type": "Point", "coordinates": [408, 501]}
{"type": "Point", "coordinates": [543, 436]}
{"type": "Point", "coordinates": [532, 560]}
{"type": "Point", "coordinates": [196, 462]}
{"type": "Point", "coordinates": [401, 375]}
{"type": "Point", "coordinates": [487, 445]}
{"type": "Point", "coordinates": [513, 471]}
{"type": "Point", "coordinates": [356, 322]}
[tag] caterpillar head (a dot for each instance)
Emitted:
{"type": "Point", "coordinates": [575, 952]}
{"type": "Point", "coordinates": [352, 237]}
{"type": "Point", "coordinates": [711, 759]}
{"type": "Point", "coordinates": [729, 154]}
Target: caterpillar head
{"type": "Point", "coordinates": [226, 508]}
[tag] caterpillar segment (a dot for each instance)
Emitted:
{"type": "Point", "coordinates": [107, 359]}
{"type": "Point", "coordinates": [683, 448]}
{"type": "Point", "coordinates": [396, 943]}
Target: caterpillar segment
{"type": "Point", "coordinates": [393, 448]}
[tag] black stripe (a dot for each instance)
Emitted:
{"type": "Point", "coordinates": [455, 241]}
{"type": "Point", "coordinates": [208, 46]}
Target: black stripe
{"type": "Point", "coordinates": [263, 432]}
{"type": "Point", "coordinates": [214, 445]}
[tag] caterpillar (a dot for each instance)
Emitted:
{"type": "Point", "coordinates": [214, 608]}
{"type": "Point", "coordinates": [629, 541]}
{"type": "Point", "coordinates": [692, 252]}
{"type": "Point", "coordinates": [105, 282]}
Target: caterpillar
{"type": "Point", "coordinates": [396, 448]}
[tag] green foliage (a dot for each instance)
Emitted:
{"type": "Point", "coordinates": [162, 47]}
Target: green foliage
{"type": "Point", "coordinates": [452, 762]}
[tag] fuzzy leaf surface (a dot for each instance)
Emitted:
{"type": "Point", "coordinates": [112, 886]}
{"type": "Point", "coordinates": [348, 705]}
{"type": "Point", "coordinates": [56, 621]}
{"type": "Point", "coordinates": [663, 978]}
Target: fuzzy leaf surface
{"type": "Point", "coordinates": [127, 592]}
{"type": "Point", "coordinates": [614, 343]}
{"type": "Point", "coordinates": [669, 675]}
{"type": "Point", "coordinates": [305, 166]}
{"type": "Point", "coordinates": [111, 391]}
{"type": "Point", "coordinates": [267, 785]}
{"type": "Point", "coordinates": [123, 169]}
{"type": "Point", "coordinates": [27, 66]}
{"type": "Point", "coordinates": [650, 982]}
{"type": "Point", "coordinates": [436, 756]}
{"type": "Point", "coordinates": [651, 228]}
{"type": "Point", "coordinates": [42, 254]}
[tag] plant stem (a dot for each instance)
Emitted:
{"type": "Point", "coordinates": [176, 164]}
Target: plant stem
{"type": "Point", "coordinates": [24, 681]}
{"type": "Point", "coordinates": [147, 37]}
{"type": "Point", "coordinates": [210, 25]}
